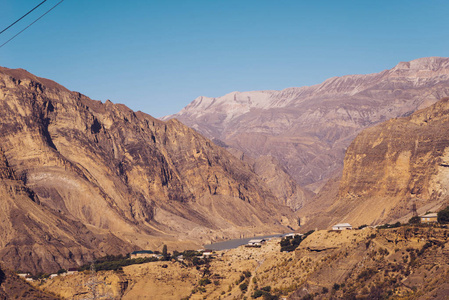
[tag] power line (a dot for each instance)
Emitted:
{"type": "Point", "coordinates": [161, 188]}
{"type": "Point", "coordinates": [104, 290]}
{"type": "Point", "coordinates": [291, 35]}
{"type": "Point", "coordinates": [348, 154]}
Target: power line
{"type": "Point", "coordinates": [31, 23]}
{"type": "Point", "coordinates": [23, 17]}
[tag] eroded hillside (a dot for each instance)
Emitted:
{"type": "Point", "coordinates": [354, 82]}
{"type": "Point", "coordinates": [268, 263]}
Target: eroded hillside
{"type": "Point", "coordinates": [115, 173]}
{"type": "Point", "coordinates": [391, 167]}
{"type": "Point", "coordinates": [402, 263]}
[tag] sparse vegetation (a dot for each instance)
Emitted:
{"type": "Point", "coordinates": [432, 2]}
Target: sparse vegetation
{"type": "Point", "coordinates": [114, 263]}
{"type": "Point", "coordinates": [290, 243]}
{"type": "Point", "coordinates": [443, 216]}
{"type": "Point", "coordinates": [386, 226]}
{"type": "Point", "coordinates": [244, 286]}
{"type": "Point", "coordinates": [414, 220]}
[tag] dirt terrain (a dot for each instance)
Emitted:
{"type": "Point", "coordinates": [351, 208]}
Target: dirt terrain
{"type": "Point", "coordinates": [398, 263]}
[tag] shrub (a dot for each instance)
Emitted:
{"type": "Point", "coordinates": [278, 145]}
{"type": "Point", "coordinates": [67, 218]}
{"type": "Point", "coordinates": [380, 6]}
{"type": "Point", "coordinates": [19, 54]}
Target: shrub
{"type": "Point", "coordinates": [257, 294]}
{"type": "Point", "coordinates": [2, 276]}
{"type": "Point", "coordinates": [443, 216]}
{"type": "Point", "coordinates": [244, 286]}
{"type": "Point", "coordinates": [414, 220]}
{"type": "Point", "coordinates": [336, 287]}
{"type": "Point", "coordinates": [204, 281]}
{"type": "Point", "coordinates": [291, 243]}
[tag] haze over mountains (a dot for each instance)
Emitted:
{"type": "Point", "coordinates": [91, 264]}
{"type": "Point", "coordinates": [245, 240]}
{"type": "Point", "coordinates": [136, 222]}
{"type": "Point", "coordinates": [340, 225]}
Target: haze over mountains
{"type": "Point", "coordinates": [307, 129]}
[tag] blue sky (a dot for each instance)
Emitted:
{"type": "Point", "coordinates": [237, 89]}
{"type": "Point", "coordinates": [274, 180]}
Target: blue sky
{"type": "Point", "coordinates": [157, 56]}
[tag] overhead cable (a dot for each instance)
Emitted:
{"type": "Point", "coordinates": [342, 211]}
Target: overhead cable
{"type": "Point", "coordinates": [31, 23]}
{"type": "Point", "coordinates": [23, 16]}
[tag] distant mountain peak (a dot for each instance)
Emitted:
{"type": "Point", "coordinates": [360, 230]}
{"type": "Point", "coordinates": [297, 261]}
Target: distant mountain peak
{"type": "Point", "coordinates": [308, 128]}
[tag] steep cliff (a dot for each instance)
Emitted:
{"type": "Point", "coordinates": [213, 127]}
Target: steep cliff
{"type": "Point", "coordinates": [308, 129]}
{"type": "Point", "coordinates": [394, 165]}
{"type": "Point", "coordinates": [121, 173]}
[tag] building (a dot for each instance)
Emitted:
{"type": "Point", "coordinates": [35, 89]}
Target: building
{"type": "Point", "coordinates": [429, 218]}
{"type": "Point", "coordinates": [255, 243]}
{"type": "Point", "coordinates": [71, 271]}
{"type": "Point", "coordinates": [142, 253]}
{"type": "Point", "coordinates": [292, 234]}
{"type": "Point", "coordinates": [342, 226]}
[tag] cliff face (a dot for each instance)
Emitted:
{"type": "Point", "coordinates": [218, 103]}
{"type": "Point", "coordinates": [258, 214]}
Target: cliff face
{"type": "Point", "coordinates": [307, 129]}
{"type": "Point", "coordinates": [120, 172]}
{"type": "Point", "coordinates": [394, 165]}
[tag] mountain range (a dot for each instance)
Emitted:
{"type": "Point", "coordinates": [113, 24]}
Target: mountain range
{"type": "Point", "coordinates": [82, 179]}
{"type": "Point", "coordinates": [307, 129]}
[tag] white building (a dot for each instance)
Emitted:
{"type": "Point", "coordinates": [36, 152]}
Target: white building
{"type": "Point", "coordinates": [255, 243]}
{"type": "Point", "coordinates": [342, 226]}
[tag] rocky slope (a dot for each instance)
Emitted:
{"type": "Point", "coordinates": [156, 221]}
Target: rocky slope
{"type": "Point", "coordinates": [105, 170]}
{"type": "Point", "coordinates": [401, 263]}
{"type": "Point", "coordinates": [392, 166]}
{"type": "Point", "coordinates": [307, 129]}
{"type": "Point", "coordinates": [13, 287]}
{"type": "Point", "coordinates": [35, 237]}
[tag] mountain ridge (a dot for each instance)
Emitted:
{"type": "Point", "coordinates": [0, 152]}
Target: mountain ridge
{"type": "Point", "coordinates": [288, 124]}
{"type": "Point", "coordinates": [121, 176]}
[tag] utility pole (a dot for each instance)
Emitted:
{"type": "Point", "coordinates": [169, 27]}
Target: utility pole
{"type": "Point", "coordinates": [93, 285]}
{"type": "Point", "coordinates": [414, 212]}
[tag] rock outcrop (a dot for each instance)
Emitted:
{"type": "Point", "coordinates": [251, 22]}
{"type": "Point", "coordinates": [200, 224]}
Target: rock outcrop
{"type": "Point", "coordinates": [392, 167]}
{"type": "Point", "coordinates": [74, 169]}
{"type": "Point", "coordinates": [308, 129]}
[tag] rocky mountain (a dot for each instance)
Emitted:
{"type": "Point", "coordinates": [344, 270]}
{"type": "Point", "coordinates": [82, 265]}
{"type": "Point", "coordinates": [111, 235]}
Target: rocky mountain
{"type": "Point", "coordinates": [81, 178]}
{"type": "Point", "coordinates": [390, 167]}
{"type": "Point", "coordinates": [307, 129]}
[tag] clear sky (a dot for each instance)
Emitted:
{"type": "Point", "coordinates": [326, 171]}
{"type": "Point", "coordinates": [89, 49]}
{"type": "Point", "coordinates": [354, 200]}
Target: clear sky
{"type": "Point", "coordinates": [157, 56]}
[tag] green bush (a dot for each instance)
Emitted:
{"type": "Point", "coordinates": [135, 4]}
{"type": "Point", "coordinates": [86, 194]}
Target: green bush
{"type": "Point", "coordinates": [414, 220]}
{"type": "Point", "coordinates": [266, 288]}
{"type": "Point", "coordinates": [61, 271]}
{"type": "Point", "coordinates": [244, 286]}
{"type": "Point", "coordinates": [204, 281]}
{"type": "Point", "coordinates": [257, 294]}
{"type": "Point", "coordinates": [443, 216]}
{"type": "Point", "coordinates": [2, 276]}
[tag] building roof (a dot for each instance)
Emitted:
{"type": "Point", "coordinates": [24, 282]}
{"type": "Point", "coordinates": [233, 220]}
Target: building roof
{"type": "Point", "coordinates": [431, 215]}
{"type": "Point", "coordinates": [256, 241]}
{"type": "Point", "coordinates": [343, 225]}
